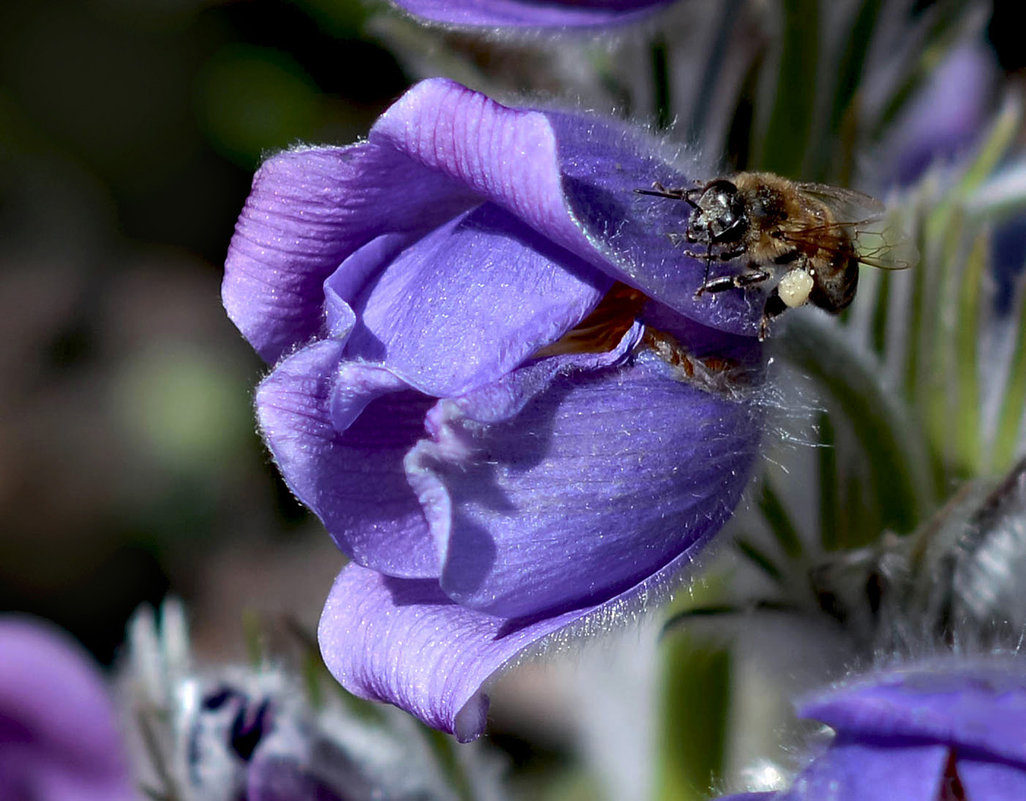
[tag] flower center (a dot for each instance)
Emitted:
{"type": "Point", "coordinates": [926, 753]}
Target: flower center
{"type": "Point", "coordinates": [603, 329]}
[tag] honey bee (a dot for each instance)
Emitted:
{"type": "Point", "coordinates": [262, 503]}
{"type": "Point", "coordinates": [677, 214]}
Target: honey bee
{"type": "Point", "coordinates": [807, 239]}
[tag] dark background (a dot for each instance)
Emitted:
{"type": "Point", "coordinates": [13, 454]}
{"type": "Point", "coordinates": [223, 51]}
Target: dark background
{"type": "Point", "coordinates": [129, 133]}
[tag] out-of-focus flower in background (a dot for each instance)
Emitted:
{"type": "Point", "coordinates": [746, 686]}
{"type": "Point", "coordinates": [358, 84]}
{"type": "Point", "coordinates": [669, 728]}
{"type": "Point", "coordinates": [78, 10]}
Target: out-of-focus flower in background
{"type": "Point", "coordinates": [562, 14]}
{"type": "Point", "coordinates": [256, 731]}
{"type": "Point", "coordinates": [59, 737]}
{"type": "Point", "coordinates": [946, 118]}
{"type": "Point", "coordinates": [506, 440]}
{"type": "Point", "coordinates": [952, 729]}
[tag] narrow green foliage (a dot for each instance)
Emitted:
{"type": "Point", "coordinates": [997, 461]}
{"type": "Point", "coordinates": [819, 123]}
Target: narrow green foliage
{"type": "Point", "coordinates": [968, 429]}
{"type": "Point", "coordinates": [785, 141]}
{"type": "Point", "coordinates": [443, 747]}
{"type": "Point", "coordinates": [780, 522]}
{"type": "Point", "coordinates": [878, 327]}
{"type": "Point", "coordinates": [696, 702]}
{"type": "Point", "coordinates": [829, 520]}
{"type": "Point", "coordinates": [1013, 406]}
{"type": "Point", "coordinates": [892, 442]}
{"type": "Point", "coordinates": [758, 557]}
{"type": "Point", "coordinates": [844, 113]}
{"type": "Point", "coordinates": [254, 637]}
{"type": "Point", "coordinates": [661, 82]}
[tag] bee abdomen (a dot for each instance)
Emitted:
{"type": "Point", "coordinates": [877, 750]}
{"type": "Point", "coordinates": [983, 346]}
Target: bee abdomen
{"type": "Point", "coordinates": [834, 289]}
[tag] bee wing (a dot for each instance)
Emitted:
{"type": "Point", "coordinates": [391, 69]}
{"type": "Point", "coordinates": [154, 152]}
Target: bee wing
{"type": "Point", "coordinates": [886, 246]}
{"type": "Point", "coordinates": [879, 237]}
{"type": "Point", "coordinates": [846, 204]}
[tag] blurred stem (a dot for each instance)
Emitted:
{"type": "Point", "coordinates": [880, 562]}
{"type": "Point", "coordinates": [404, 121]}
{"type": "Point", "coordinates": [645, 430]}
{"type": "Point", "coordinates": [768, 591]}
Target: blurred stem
{"type": "Point", "coordinates": [661, 82]}
{"type": "Point", "coordinates": [968, 457]}
{"type": "Point", "coordinates": [754, 554]}
{"type": "Point", "coordinates": [713, 68]}
{"type": "Point", "coordinates": [892, 442]}
{"type": "Point", "coordinates": [829, 477]}
{"type": "Point", "coordinates": [443, 746]}
{"type": "Point", "coordinates": [780, 522]}
{"type": "Point", "coordinates": [784, 146]}
{"type": "Point", "coordinates": [254, 637]}
{"type": "Point", "coordinates": [695, 695]}
{"type": "Point", "coordinates": [1014, 402]}
{"type": "Point", "coordinates": [845, 113]}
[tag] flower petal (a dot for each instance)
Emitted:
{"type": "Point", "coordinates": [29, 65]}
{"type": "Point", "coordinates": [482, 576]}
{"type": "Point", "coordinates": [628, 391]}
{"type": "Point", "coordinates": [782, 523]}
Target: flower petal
{"type": "Point", "coordinates": [858, 771]}
{"type": "Point", "coordinates": [557, 487]}
{"type": "Point", "coordinates": [438, 151]}
{"type": "Point", "coordinates": [404, 642]}
{"type": "Point", "coordinates": [58, 727]}
{"type": "Point", "coordinates": [283, 777]}
{"type": "Point", "coordinates": [470, 301]}
{"type": "Point", "coordinates": [308, 210]}
{"type": "Point", "coordinates": [527, 14]}
{"type": "Point", "coordinates": [763, 796]}
{"type": "Point", "coordinates": [603, 164]}
{"type": "Point", "coordinates": [339, 432]}
{"type": "Point", "coordinates": [992, 781]}
{"type": "Point", "coordinates": [979, 705]}
{"type": "Point", "coordinates": [572, 178]}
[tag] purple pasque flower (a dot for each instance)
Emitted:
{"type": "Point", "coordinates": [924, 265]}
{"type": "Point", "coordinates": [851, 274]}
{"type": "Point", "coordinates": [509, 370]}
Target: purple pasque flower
{"type": "Point", "coordinates": [59, 738]}
{"type": "Point", "coordinates": [946, 119]}
{"type": "Point", "coordinates": [493, 384]}
{"type": "Point", "coordinates": [950, 730]}
{"type": "Point", "coordinates": [531, 13]}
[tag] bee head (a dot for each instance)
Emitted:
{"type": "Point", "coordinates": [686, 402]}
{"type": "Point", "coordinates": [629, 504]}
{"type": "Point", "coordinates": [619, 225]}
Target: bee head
{"type": "Point", "coordinates": [720, 213]}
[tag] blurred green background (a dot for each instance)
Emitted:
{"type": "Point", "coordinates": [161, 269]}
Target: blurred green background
{"type": "Point", "coordinates": [129, 133]}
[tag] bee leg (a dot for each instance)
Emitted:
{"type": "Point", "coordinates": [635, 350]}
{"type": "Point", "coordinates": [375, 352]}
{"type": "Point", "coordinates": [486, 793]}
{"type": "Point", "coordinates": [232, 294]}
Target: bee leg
{"type": "Point", "coordinates": [723, 255]}
{"type": "Point", "coordinates": [658, 190]}
{"type": "Point", "coordinates": [774, 308]}
{"type": "Point", "coordinates": [726, 282]}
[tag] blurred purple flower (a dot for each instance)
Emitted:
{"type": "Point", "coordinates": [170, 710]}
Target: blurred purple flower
{"type": "Point", "coordinates": [531, 13]}
{"type": "Point", "coordinates": [59, 738]}
{"type": "Point", "coordinates": [497, 467]}
{"type": "Point", "coordinates": [947, 117]}
{"type": "Point", "coordinates": [952, 730]}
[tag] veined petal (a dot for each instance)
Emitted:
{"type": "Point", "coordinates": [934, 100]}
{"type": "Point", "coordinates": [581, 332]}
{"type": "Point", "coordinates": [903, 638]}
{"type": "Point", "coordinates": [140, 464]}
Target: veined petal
{"type": "Point", "coordinates": [438, 151]}
{"type": "Point", "coordinates": [862, 770]}
{"type": "Point", "coordinates": [529, 14]}
{"type": "Point", "coordinates": [404, 642]}
{"type": "Point", "coordinates": [308, 210]}
{"type": "Point", "coordinates": [631, 231]}
{"type": "Point", "coordinates": [470, 301]}
{"type": "Point", "coordinates": [973, 704]}
{"type": "Point", "coordinates": [992, 781]}
{"type": "Point", "coordinates": [339, 433]}
{"type": "Point", "coordinates": [561, 485]}
{"type": "Point", "coordinates": [572, 178]}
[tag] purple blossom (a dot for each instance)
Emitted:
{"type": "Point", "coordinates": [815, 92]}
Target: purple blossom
{"type": "Point", "coordinates": [952, 730]}
{"type": "Point", "coordinates": [530, 13]}
{"type": "Point", "coordinates": [503, 455]}
{"type": "Point", "coordinates": [946, 118]}
{"type": "Point", "coordinates": [59, 738]}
